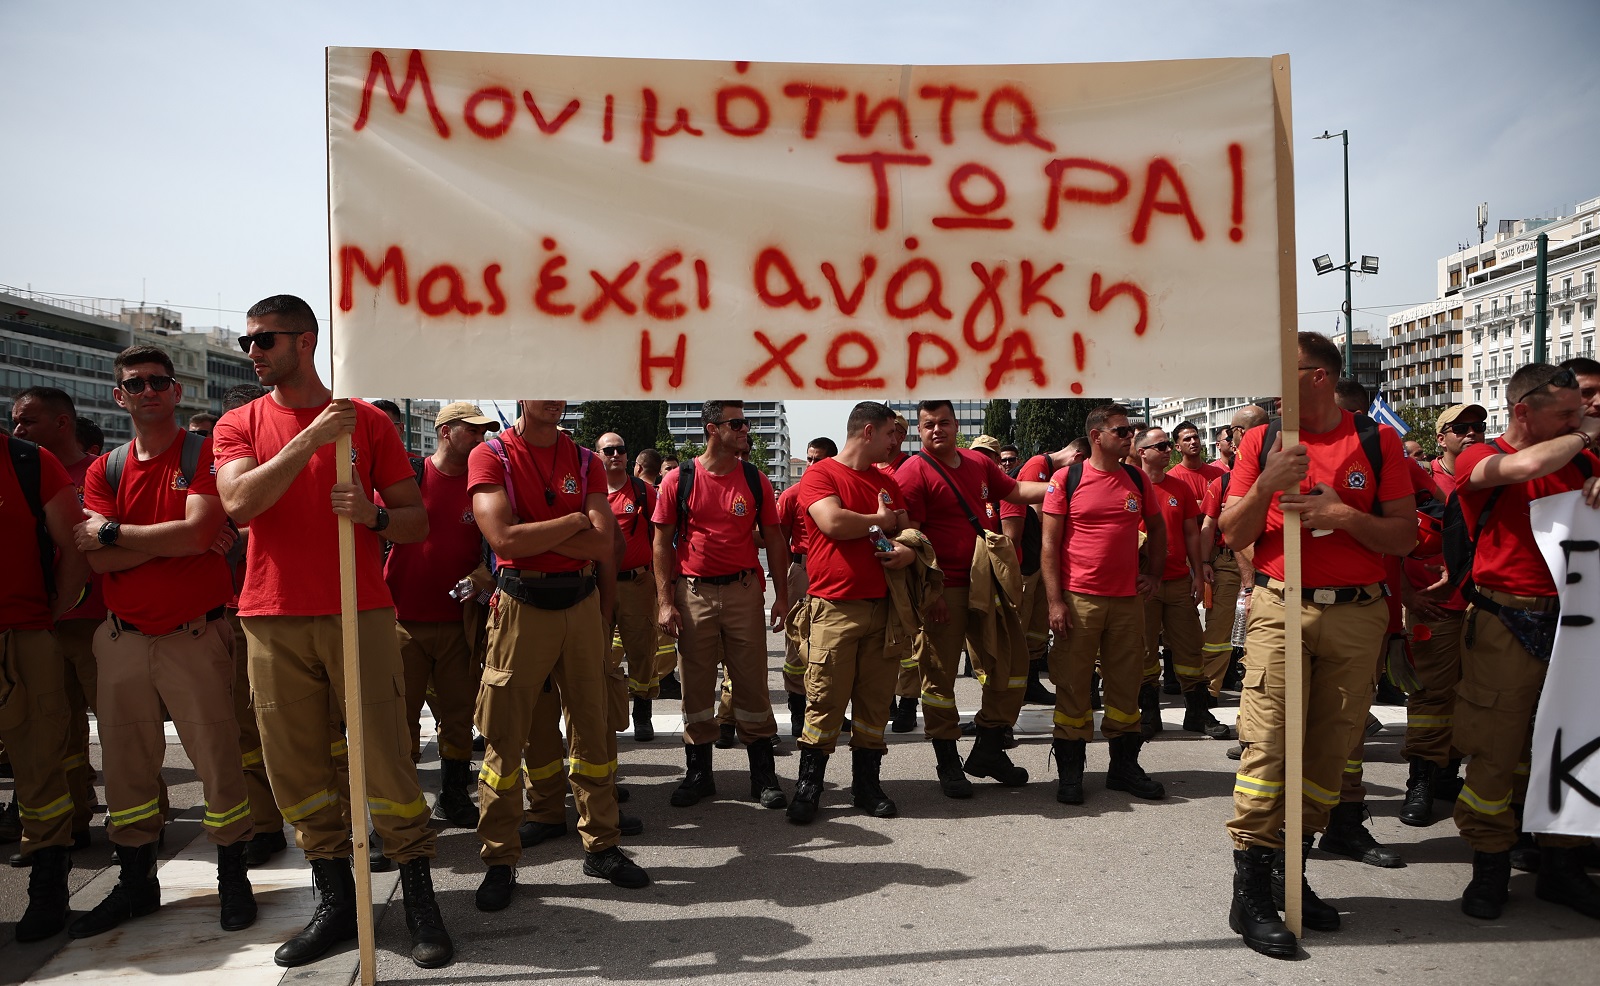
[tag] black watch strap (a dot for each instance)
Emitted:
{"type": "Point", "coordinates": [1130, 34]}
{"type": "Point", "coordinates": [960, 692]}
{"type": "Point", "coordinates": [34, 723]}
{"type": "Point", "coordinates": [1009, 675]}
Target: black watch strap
{"type": "Point", "coordinates": [382, 520]}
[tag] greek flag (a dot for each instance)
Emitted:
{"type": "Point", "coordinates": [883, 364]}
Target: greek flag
{"type": "Point", "coordinates": [1382, 413]}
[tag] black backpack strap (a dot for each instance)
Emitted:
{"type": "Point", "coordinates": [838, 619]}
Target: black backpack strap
{"type": "Point", "coordinates": [1074, 477]}
{"type": "Point", "coordinates": [116, 459]}
{"type": "Point", "coordinates": [972, 518]}
{"type": "Point", "coordinates": [419, 468]}
{"type": "Point", "coordinates": [189, 458]}
{"type": "Point", "coordinates": [1371, 438]}
{"type": "Point", "coordinates": [27, 463]}
{"type": "Point", "coordinates": [638, 502]}
{"type": "Point", "coordinates": [1274, 429]}
{"type": "Point", "coordinates": [686, 472]}
{"type": "Point", "coordinates": [752, 479]}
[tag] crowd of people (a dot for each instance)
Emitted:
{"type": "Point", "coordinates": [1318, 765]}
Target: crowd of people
{"type": "Point", "coordinates": [545, 596]}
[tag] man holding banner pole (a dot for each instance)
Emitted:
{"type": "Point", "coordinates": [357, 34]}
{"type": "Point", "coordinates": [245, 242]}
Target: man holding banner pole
{"type": "Point", "coordinates": [1355, 517]}
{"type": "Point", "coordinates": [275, 472]}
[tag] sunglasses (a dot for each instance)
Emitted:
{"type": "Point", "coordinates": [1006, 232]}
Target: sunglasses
{"type": "Point", "coordinates": [1159, 446]}
{"type": "Point", "coordinates": [1466, 427]}
{"type": "Point", "coordinates": [1125, 431]}
{"type": "Point", "coordinates": [614, 450]}
{"type": "Point", "coordinates": [136, 385]}
{"type": "Point", "coordinates": [1562, 380]}
{"type": "Point", "coordinates": [264, 340]}
{"type": "Point", "coordinates": [737, 424]}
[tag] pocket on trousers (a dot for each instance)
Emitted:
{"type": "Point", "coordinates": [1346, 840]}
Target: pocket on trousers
{"type": "Point", "coordinates": [1475, 694]}
{"type": "Point", "coordinates": [1253, 688]}
{"type": "Point", "coordinates": [496, 678]}
{"type": "Point", "coordinates": [400, 688]}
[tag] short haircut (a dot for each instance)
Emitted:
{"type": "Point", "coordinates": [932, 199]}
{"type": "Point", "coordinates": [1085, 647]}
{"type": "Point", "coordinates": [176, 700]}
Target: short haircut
{"type": "Point", "coordinates": [1582, 365]}
{"type": "Point", "coordinates": [1184, 426]}
{"type": "Point", "coordinates": [711, 411]}
{"type": "Point", "coordinates": [54, 399]}
{"type": "Point", "coordinates": [1142, 434]}
{"type": "Point", "coordinates": [648, 459]}
{"type": "Point", "coordinates": [1080, 445]}
{"type": "Point", "coordinates": [291, 312]}
{"type": "Point", "coordinates": [1530, 382]}
{"type": "Point", "coordinates": [89, 434]}
{"type": "Point", "coordinates": [388, 407]}
{"type": "Point", "coordinates": [241, 394]}
{"type": "Point", "coordinates": [1105, 412]}
{"type": "Point", "coordinates": [1351, 391]}
{"type": "Point", "coordinates": [828, 446]}
{"type": "Point", "coordinates": [934, 406]}
{"type": "Point", "coordinates": [136, 355]}
{"type": "Point", "coordinates": [205, 419]}
{"type": "Point", "coordinates": [671, 457]}
{"type": "Point", "coordinates": [1319, 349]}
{"type": "Point", "coordinates": [863, 414]}
{"type": "Point", "coordinates": [1010, 448]}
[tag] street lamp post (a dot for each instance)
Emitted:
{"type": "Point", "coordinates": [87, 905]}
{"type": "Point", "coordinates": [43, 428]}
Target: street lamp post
{"type": "Point", "coordinates": [1324, 265]}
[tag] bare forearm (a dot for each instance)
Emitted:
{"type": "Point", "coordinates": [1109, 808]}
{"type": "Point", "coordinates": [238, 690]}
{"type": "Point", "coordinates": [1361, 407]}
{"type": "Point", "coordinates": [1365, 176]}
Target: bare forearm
{"type": "Point", "coordinates": [1244, 520]}
{"type": "Point", "coordinates": [168, 539]}
{"type": "Point", "coordinates": [590, 545]}
{"type": "Point", "coordinates": [1385, 535]}
{"type": "Point", "coordinates": [1155, 553]}
{"type": "Point", "coordinates": [249, 494]}
{"type": "Point", "coordinates": [115, 558]}
{"type": "Point", "coordinates": [534, 537]}
{"type": "Point", "coordinates": [407, 525]}
{"type": "Point", "coordinates": [72, 572]}
{"type": "Point", "coordinates": [777, 562]}
{"type": "Point", "coordinates": [666, 566]}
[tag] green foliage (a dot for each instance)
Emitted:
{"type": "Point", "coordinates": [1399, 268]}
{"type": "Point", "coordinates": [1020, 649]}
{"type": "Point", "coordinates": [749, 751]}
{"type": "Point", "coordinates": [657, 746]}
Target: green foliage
{"type": "Point", "coordinates": [689, 450]}
{"type": "Point", "coordinates": [760, 454]}
{"type": "Point", "coordinates": [1048, 424]}
{"type": "Point", "coordinates": [997, 420]}
{"type": "Point", "coordinates": [638, 422]}
{"type": "Point", "coordinates": [1420, 421]}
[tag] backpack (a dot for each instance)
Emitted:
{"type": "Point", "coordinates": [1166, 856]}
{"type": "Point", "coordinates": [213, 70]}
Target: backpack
{"type": "Point", "coordinates": [1367, 432]}
{"type": "Point", "coordinates": [637, 485]}
{"type": "Point", "coordinates": [25, 461]}
{"type": "Point", "coordinates": [1031, 549]}
{"type": "Point", "coordinates": [686, 471]}
{"type": "Point", "coordinates": [1075, 477]}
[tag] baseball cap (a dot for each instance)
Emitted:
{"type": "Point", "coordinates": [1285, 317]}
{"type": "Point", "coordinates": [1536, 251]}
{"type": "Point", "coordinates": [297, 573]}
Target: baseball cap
{"type": "Point", "coordinates": [464, 411]}
{"type": "Point", "coordinates": [986, 443]}
{"type": "Point", "coordinates": [1450, 414]}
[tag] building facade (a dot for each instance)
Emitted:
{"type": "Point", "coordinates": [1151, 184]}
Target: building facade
{"type": "Point", "coordinates": [768, 419]}
{"type": "Point", "coordinates": [58, 342]}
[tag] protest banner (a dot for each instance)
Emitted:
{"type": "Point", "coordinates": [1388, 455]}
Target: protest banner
{"type": "Point", "coordinates": [499, 222]}
{"type": "Point", "coordinates": [1564, 783]}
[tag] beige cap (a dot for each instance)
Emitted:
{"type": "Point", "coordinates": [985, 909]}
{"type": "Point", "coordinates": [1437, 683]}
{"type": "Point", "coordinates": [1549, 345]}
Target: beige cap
{"type": "Point", "coordinates": [465, 411]}
{"type": "Point", "coordinates": [1450, 414]}
{"type": "Point", "coordinates": [986, 443]}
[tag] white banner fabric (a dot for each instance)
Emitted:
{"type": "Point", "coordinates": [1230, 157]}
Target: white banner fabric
{"type": "Point", "coordinates": [1564, 785]}
{"type": "Point", "coordinates": [516, 225]}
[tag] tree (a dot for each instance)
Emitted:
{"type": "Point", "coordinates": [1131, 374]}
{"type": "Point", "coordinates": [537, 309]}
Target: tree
{"type": "Point", "coordinates": [997, 420]}
{"type": "Point", "coordinates": [1048, 424]}
{"type": "Point", "coordinates": [1420, 421]}
{"type": "Point", "coordinates": [636, 421]}
{"type": "Point", "coordinates": [760, 454]}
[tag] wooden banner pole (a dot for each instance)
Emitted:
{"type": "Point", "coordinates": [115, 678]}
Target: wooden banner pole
{"type": "Point", "coordinates": [355, 734]}
{"type": "Point", "coordinates": [1293, 670]}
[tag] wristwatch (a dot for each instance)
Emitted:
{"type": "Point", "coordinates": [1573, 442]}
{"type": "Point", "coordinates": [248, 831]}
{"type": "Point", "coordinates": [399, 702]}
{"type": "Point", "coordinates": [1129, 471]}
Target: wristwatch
{"type": "Point", "coordinates": [1588, 442]}
{"type": "Point", "coordinates": [382, 520]}
{"type": "Point", "coordinates": [108, 532]}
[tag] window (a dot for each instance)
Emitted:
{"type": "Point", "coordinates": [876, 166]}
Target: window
{"type": "Point", "coordinates": [1566, 349]}
{"type": "Point", "coordinates": [1477, 395]}
{"type": "Point", "coordinates": [1566, 318]}
{"type": "Point", "coordinates": [1527, 354]}
{"type": "Point", "coordinates": [1588, 313]}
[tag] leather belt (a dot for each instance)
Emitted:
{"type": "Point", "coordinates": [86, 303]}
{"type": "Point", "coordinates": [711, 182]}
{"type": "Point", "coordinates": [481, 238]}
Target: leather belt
{"type": "Point", "coordinates": [633, 573]}
{"type": "Point", "coordinates": [720, 579]}
{"type": "Point", "coordinates": [528, 574]}
{"type": "Point", "coordinates": [1326, 595]}
{"type": "Point", "coordinates": [126, 627]}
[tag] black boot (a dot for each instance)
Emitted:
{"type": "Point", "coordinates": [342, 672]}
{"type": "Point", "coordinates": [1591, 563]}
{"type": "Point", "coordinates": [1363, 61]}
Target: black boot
{"type": "Point", "coordinates": [1563, 880]}
{"type": "Point", "coordinates": [1125, 773]}
{"type": "Point", "coordinates": [1485, 896]}
{"type": "Point", "coordinates": [797, 713]}
{"type": "Point", "coordinates": [1197, 717]}
{"type": "Point", "coordinates": [1170, 685]}
{"type": "Point", "coordinates": [952, 781]}
{"type": "Point", "coordinates": [697, 779]}
{"type": "Point", "coordinates": [644, 727]}
{"type": "Point", "coordinates": [454, 805]}
{"type": "Point", "coordinates": [670, 687]}
{"type": "Point", "coordinates": [430, 942]}
{"type": "Point", "coordinates": [1347, 836]}
{"type": "Point", "coordinates": [333, 921]}
{"type": "Point", "coordinates": [1252, 914]}
{"type": "Point", "coordinates": [136, 894]}
{"type": "Point", "coordinates": [764, 776]}
{"type": "Point", "coordinates": [866, 792]}
{"type": "Point", "coordinates": [263, 846]}
{"type": "Point", "coordinates": [1150, 711]}
{"type": "Point", "coordinates": [808, 788]}
{"type": "Point", "coordinates": [1315, 913]}
{"type": "Point", "coordinates": [727, 736]}
{"type": "Point", "coordinates": [233, 888]}
{"type": "Point", "coordinates": [1037, 694]}
{"type": "Point", "coordinates": [1447, 782]}
{"type": "Point", "coordinates": [1094, 693]}
{"type": "Point", "coordinates": [1069, 756]}
{"type": "Point", "coordinates": [988, 759]}
{"type": "Point", "coordinates": [48, 895]}
{"type": "Point", "coordinates": [904, 718]}
{"type": "Point", "coordinates": [377, 862]}
{"type": "Point", "coordinates": [1418, 807]}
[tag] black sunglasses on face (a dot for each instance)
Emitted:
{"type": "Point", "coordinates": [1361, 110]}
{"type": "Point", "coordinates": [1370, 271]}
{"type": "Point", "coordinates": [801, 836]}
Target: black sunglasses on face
{"type": "Point", "coordinates": [1125, 431]}
{"type": "Point", "coordinates": [1562, 380]}
{"type": "Point", "coordinates": [737, 424]}
{"type": "Point", "coordinates": [1160, 446]}
{"type": "Point", "coordinates": [264, 340]}
{"type": "Point", "coordinates": [1466, 427]}
{"type": "Point", "coordinates": [136, 385]}
{"type": "Point", "coordinates": [614, 450]}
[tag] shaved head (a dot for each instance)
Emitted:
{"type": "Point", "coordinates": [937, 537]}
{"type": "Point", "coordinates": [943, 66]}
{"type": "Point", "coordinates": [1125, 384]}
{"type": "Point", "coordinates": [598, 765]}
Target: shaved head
{"type": "Point", "coordinates": [1247, 417]}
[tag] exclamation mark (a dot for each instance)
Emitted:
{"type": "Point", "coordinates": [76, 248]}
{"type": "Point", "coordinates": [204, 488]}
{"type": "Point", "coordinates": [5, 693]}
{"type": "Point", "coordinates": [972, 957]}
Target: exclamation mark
{"type": "Point", "coordinates": [611, 107]}
{"type": "Point", "coordinates": [1079, 356]}
{"type": "Point", "coordinates": [1236, 165]}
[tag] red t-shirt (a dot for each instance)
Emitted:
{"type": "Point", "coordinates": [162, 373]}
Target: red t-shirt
{"type": "Point", "coordinates": [93, 606]}
{"type": "Point", "coordinates": [933, 505]}
{"type": "Point", "coordinates": [1100, 546]}
{"type": "Point", "coordinates": [845, 569]}
{"type": "Point", "coordinates": [892, 467]}
{"type": "Point", "coordinates": [1172, 499]}
{"type": "Point", "coordinates": [421, 575]}
{"type": "Point", "coordinates": [634, 519]}
{"type": "Point", "coordinates": [1508, 559]}
{"type": "Point", "coordinates": [1334, 559]}
{"type": "Point", "coordinates": [292, 557]}
{"type": "Point", "coordinates": [535, 471]}
{"type": "Point", "coordinates": [1196, 479]}
{"type": "Point", "coordinates": [24, 598]}
{"type": "Point", "coordinates": [1211, 507]}
{"type": "Point", "coordinates": [790, 515]}
{"type": "Point", "coordinates": [718, 537]}
{"type": "Point", "coordinates": [1035, 470]}
{"type": "Point", "coordinates": [163, 593]}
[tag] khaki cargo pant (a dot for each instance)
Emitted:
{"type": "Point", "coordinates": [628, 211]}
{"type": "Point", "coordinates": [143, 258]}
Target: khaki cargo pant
{"type": "Point", "coordinates": [34, 728]}
{"type": "Point", "coordinates": [1002, 685]}
{"type": "Point", "coordinates": [1495, 701]}
{"type": "Point", "coordinates": [190, 673]}
{"type": "Point", "coordinates": [846, 662]}
{"type": "Point", "coordinates": [724, 625]}
{"type": "Point", "coordinates": [794, 663]}
{"type": "Point", "coordinates": [1108, 630]}
{"type": "Point", "coordinates": [1172, 616]}
{"type": "Point", "coordinates": [1338, 643]}
{"type": "Point", "coordinates": [76, 638]}
{"type": "Point", "coordinates": [1430, 711]}
{"type": "Point", "coordinates": [1035, 616]}
{"type": "Point", "coordinates": [264, 811]}
{"type": "Point", "coordinates": [636, 639]}
{"type": "Point", "coordinates": [296, 664]}
{"type": "Point", "coordinates": [527, 646]}
{"type": "Point", "coordinates": [437, 655]}
{"type": "Point", "coordinates": [1216, 642]}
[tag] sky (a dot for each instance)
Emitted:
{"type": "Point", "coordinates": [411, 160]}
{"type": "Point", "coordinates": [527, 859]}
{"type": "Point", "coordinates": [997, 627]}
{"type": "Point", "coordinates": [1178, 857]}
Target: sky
{"type": "Point", "coordinates": [174, 153]}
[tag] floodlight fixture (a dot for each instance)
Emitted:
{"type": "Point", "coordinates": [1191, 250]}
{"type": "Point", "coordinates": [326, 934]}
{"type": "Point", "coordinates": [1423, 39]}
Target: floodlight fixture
{"type": "Point", "coordinates": [1369, 264]}
{"type": "Point", "coordinates": [1323, 264]}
